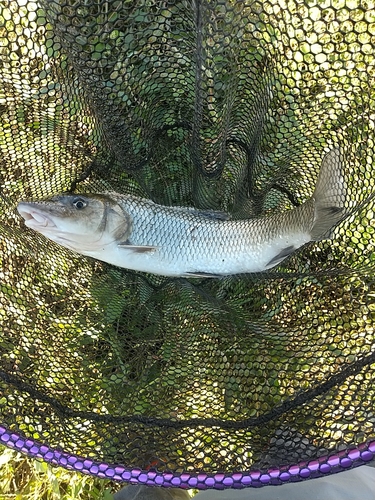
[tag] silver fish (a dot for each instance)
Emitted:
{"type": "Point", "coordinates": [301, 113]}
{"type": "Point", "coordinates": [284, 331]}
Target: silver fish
{"type": "Point", "coordinates": [136, 233]}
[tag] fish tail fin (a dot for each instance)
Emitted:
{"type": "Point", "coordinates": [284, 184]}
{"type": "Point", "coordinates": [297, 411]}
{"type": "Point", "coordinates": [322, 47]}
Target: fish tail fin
{"type": "Point", "coordinates": [329, 195]}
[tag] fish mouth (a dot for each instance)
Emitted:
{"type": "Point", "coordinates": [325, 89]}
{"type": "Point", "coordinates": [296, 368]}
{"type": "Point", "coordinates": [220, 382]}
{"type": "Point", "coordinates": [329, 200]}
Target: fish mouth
{"type": "Point", "coordinates": [34, 218]}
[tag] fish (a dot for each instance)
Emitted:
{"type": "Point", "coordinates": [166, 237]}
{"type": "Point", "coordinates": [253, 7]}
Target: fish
{"type": "Point", "coordinates": [137, 234]}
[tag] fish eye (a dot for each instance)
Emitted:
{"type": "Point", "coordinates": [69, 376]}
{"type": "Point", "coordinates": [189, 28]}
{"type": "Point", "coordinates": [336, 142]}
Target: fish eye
{"type": "Point", "coordinates": [79, 203]}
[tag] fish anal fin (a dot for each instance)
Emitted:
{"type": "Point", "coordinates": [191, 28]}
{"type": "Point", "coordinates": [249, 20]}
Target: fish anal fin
{"type": "Point", "coordinates": [137, 248]}
{"type": "Point", "coordinates": [285, 252]}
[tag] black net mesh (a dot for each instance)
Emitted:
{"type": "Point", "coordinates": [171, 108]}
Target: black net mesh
{"type": "Point", "coordinates": [224, 105]}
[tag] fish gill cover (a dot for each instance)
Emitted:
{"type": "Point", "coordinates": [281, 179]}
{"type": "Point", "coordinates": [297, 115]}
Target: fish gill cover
{"type": "Point", "coordinates": [219, 105]}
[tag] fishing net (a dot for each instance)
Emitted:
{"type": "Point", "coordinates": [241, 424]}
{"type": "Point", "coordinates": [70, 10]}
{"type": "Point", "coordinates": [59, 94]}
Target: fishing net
{"type": "Point", "coordinates": [222, 105]}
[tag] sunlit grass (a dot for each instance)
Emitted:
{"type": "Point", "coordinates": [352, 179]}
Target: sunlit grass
{"type": "Point", "coordinates": [23, 478]}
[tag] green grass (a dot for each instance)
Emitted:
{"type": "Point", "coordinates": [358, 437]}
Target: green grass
{"type": "Point", "coordinates": [23, 478]}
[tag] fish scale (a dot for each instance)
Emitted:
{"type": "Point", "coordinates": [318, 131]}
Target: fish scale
{"type": "Point", "coordinates": [192, 244]}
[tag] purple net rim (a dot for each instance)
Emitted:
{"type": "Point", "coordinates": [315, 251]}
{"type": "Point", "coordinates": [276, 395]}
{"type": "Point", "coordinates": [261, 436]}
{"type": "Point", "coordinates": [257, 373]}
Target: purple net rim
{"type": "Point", "coordinates": [322, 466]}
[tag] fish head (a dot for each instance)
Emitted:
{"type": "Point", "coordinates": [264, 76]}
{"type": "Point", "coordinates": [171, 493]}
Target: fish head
{"type": "Point", "coordinates": [80, 222]}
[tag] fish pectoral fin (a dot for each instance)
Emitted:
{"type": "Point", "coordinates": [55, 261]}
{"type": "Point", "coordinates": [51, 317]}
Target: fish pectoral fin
{"type": "Point", "coordinates": [202, 275]}
{"type": "Point", "coordinates": [137, 248]}
{"type": "Point", "coordinates": [285, 252]}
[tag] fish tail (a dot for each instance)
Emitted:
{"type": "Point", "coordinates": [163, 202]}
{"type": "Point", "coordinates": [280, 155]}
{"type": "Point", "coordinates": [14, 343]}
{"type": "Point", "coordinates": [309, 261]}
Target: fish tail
{"type": "Point", "coordinates": [329, 195]}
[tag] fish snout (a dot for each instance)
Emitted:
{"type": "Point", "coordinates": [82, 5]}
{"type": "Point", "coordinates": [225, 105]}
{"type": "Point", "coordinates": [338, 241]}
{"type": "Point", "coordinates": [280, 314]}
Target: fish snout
{"type": "Point", "coordinates": [34, 218]}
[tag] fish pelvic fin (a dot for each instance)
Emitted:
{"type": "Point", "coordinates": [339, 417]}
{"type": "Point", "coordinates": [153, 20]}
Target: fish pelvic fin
{"type": "Point", "coordinates": [329, 195]}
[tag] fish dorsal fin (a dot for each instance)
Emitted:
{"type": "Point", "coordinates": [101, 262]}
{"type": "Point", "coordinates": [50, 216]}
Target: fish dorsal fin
{"type": "Point", "coordinates": [209, 214]}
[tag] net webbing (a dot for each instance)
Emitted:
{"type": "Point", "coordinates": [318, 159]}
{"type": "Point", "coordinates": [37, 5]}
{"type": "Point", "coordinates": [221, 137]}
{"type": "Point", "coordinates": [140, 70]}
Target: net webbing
{"type": "Point", "coordinates": [231, 106]}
